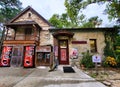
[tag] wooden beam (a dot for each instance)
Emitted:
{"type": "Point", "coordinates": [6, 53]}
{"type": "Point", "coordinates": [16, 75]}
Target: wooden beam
{"type": "Point", "coordinates": [19, 42]}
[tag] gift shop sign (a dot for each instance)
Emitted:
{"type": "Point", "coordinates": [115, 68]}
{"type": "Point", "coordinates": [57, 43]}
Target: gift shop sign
{"type": "Point", "coordinates": [43, 49]}
{"type": "Point", "coordinates": [96, 58]}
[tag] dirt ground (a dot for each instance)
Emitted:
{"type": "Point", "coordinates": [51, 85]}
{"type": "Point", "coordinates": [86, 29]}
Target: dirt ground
{"type": "Point", "coordinates": [108, 76]}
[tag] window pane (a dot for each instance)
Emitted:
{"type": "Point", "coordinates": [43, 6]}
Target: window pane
{"type": "Point", "coordinates": [63, 44]}
{"type": "Point", "coordinates": [17, 51]}
{"type": "Point", "coordinates": [93, 48]}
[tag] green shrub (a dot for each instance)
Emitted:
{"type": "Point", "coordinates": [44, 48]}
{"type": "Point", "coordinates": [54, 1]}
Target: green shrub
{"type": "Point", "coordinates": [118, 60]}
{"type": "Point", "coordinates": [87, 60]}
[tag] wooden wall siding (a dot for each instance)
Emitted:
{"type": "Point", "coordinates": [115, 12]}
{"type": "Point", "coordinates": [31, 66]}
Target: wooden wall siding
{"type": "Point", "coordinates": [19, 34]}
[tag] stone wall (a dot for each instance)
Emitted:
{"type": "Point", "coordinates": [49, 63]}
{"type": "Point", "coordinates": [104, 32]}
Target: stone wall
{"type": "Point", "coordinates": [45, 36]}
{"type": "Point", "coordinates": [34, 17]}
{"type": "Point", "coordinates": [85, 36]}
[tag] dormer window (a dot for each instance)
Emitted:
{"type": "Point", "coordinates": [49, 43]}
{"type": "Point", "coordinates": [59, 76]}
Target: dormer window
{"type": "Point", "coordinates": [29, 15]}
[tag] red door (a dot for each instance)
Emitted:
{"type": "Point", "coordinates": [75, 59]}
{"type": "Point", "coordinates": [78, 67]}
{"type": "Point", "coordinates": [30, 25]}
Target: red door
{"type": "Point", "coordinates": [63, 52]}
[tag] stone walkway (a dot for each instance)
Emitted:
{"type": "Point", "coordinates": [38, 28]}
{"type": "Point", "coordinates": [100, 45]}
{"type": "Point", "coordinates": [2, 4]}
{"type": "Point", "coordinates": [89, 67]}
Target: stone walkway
{"type": "Point", "coordinates": [40, 77]}
{"type": "Point", "coordinates": [109, 76]}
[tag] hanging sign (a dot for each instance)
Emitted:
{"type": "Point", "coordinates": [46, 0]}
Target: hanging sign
{"type": "Point", "coordinates": [43, 49]}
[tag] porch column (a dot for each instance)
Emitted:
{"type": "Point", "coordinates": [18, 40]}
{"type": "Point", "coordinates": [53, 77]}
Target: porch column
{"type": "Point", "coordinates": [35, 31]}
{"type": "Point", "coordinates": [6, 30]}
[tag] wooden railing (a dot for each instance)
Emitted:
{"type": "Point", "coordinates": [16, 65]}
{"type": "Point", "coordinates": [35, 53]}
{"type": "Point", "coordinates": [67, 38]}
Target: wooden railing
{"type": "Point", "coordinates": [23, 37]}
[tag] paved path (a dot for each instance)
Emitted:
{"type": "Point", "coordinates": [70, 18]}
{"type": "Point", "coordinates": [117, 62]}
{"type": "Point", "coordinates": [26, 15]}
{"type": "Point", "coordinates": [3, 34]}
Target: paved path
{"type": "Point", "coordinates": [40, 77]}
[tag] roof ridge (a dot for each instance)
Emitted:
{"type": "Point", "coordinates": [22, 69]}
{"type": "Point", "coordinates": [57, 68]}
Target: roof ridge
{"type": "Point", "coordinates": [26, 9]}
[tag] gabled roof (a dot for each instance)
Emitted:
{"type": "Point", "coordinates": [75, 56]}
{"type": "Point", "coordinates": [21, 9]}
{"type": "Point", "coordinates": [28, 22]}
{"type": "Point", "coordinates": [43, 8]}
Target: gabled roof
{"type": "Point", "coordinates": [32, 10]}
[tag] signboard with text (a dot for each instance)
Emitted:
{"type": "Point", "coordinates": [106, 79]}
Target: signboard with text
{"type": "Point", "coordinates": [96, 58]}
{"type": "Point", "coordinates": [43, 49]}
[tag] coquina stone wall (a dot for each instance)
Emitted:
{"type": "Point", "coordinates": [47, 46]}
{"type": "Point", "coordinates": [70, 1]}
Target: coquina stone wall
{"type": "Point", "coordinates": [86, 36]}
{"type": "Point", "coordinates": [45, 37]}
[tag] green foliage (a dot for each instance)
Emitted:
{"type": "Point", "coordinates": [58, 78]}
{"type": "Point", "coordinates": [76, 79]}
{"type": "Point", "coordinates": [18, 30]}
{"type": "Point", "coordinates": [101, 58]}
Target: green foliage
{"type": "Point", "coordinates": [118, 61]}
{"type": "Point", "coordinates": [117, 43]}
{"type": "Point", "coordinates": [87, 60]}
{"type": "Point", "coordinates": [110, 40]}
{"type": "Point", "coordinates": [73, 8]}
{"type": "Point", "coordinates": [94, 75]}
{"type": "Point", "coordinates": [92, 22]}
{"type": "Point", "coordinates": [112, 7]}
{"type": "Point", "coordinates": [74, 12]}
{"type": "Point", "coordinates": [0, 34]}
{"type": "Point", "coordinates": [74, 17]}
{"type": "Point", "coordinates": [8, 9]}
{"type": "Point", "coordinates": [71, 18]}
{"type": "Point", "coordinates": [54, 20]}
{"type": "Point", "coordinates": [108, 50]}
{"type": "Point", "coordinates": [117, 49]}
{"type": "Point", "coordinates": [112, 48]}
{"type": "Point", "coordinates": [59, 21]}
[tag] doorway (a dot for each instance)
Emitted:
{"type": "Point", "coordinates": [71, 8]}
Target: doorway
{"type": "Point", "coordinates": [63, 52]}
{"type": "Point", "coordinates": [17, 56]}
{"type": "Point", "coordinates": [43, 58]}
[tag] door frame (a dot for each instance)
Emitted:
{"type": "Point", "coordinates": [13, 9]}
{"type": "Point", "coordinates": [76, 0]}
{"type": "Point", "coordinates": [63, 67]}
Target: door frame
{"type": "Point", "coordinates": [19, 59]}
{"type": "Point", "coordinates": [67, 52]}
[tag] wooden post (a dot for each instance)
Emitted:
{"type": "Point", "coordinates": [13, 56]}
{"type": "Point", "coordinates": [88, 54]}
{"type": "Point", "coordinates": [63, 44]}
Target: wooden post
{"type": "Point", "coordinates": [96, 59]}
{"type": "Point", "coordinates": [96, 68]}
{"type": "Point", "coordinates": [35, 31]}
{"type": "Point", "coordinates": [3, 37]}
{"type": "Point", "coordinates": [51, 59]}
